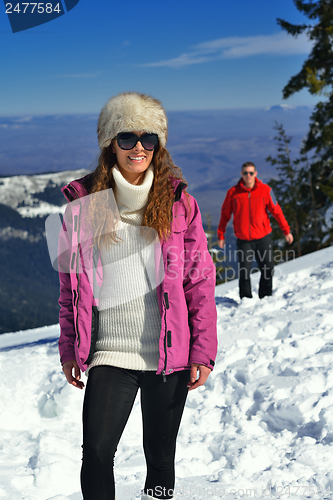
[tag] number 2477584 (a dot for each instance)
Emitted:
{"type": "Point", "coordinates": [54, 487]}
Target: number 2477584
{"type": "Point", "coordinates": [31, 8]}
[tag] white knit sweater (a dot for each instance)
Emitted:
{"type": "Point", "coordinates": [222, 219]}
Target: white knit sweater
{"type": "Point", "coordinates": [129, 317]}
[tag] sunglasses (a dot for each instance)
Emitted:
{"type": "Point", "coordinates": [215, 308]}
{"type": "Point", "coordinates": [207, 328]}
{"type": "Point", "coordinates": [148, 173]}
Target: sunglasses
{"type": "Point", "coordinates": [128, 140]}
{"type": "Point", "coordinates": [247, 173]}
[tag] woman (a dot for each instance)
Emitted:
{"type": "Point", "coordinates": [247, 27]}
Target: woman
{"type": "Point", "coordinates": [128, 332]}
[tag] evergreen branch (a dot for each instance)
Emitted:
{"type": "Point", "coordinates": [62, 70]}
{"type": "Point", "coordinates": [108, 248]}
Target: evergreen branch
{"type": "Point", "coordinates": [292, 29]}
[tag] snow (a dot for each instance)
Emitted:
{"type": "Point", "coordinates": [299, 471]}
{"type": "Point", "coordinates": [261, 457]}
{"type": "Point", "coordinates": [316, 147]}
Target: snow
{"type": "Point", "coordinates": [262, 426]}
{"type": "Point", "coordinates": [17, 191]}
{"type": "Point", "coordinates": [6, 233]}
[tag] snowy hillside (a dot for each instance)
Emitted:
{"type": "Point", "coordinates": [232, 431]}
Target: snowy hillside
{"type": "Point", "coordinates": [261, 427]}
{"type": "Point", "coordinates": [36, 195]}
{"type": "Point", "coordinates": [29, 286]}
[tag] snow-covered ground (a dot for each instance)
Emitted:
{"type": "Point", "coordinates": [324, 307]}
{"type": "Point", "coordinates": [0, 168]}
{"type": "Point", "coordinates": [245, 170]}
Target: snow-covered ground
{"type": "Point", "coordinates": [262, 426]}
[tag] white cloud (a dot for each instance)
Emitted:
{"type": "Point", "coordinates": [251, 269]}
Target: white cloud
{"type": "Point", "coordinates": [23, 119]}
{"type": "Point", "coordinates": [237, 47]}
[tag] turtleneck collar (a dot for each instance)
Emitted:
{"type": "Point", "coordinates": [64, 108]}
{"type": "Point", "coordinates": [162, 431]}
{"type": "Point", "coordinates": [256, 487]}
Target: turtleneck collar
{"type": "Point", "coordinates": [132, 196]}
{"type": "Point", "coordinates": [132, 199]}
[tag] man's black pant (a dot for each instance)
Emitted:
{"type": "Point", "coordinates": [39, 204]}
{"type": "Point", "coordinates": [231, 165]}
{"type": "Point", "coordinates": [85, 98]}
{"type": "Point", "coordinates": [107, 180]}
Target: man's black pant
{"type": "Point", "coordinates": [108, 402]}
{"type": "Point", "coordinates": [248, 251]}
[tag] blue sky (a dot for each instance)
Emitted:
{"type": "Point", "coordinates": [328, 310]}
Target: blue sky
{"type": "Point", "coordinates": [189, 54]}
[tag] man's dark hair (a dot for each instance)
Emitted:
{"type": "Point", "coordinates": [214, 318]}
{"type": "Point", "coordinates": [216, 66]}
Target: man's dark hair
{"type": "Point", "coordinates": [248, 164]}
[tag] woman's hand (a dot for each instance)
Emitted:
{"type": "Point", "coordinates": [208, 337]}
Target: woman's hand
{"type": "Point", "coordinates": [203, 376]}
{"type": "Point", "coordinates": [67, 368]}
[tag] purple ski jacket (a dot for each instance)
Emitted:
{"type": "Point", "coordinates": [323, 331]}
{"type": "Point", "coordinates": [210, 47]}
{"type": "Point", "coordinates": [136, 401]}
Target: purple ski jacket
{"type": "Point", "coordinates": [186, 295]}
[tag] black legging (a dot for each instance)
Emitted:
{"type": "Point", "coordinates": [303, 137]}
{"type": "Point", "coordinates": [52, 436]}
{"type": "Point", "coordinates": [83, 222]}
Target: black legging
{"type": "Point", "coordinates": [108, 402]}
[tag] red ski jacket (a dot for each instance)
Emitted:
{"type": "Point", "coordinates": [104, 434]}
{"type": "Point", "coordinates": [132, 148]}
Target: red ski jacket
{"type": "Point", "coordinates": [250, 207]}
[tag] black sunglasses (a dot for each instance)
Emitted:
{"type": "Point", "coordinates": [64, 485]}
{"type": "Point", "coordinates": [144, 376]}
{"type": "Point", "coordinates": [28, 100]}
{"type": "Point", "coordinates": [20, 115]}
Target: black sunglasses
{"type": "Point", "coordinates": [248, 173]}
{"type": "Point", "coordinates": [128, 140]}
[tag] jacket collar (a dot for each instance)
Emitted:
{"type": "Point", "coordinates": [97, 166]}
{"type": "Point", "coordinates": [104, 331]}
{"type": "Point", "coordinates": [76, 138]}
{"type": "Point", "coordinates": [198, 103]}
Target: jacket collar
{"type": "Point", "coordinates": [76, 189]}
{"type": "Point", "coordinates": [244, 188]}
{"type": "Point", "coordinates": [179, 187]}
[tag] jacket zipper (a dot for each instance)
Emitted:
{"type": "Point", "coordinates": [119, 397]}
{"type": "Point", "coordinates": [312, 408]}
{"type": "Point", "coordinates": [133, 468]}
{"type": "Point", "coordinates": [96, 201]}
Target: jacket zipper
{"type": "Point", "coordinates": [78, 296]}
{"type": "Point", "coordinates": [249, 215]}
{"type": "Point", "coordinates": [167, 333]}
{"type": "Point", "coordinates": [77, 226]}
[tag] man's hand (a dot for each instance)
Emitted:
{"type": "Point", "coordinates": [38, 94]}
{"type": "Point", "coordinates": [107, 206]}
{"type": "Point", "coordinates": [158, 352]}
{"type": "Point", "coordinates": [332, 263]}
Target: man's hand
{"type": "Point", "coordinates": [221, 243]}
{"type": "Point", "coordinates": [289, 237]}
{"type": "Point", "coordinates": [203, 376]}
{"type": "Point", "coordinates": [67, 368]}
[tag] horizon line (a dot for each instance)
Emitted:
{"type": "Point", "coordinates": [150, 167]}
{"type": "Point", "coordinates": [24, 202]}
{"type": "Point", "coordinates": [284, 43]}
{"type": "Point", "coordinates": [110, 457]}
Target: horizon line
{"type": "Point", "coordinates": [283, 107]}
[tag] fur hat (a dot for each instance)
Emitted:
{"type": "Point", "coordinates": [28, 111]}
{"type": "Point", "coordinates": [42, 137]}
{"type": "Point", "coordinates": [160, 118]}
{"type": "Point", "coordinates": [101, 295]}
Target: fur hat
{"type": "Point", "coordinates": [131, 111]}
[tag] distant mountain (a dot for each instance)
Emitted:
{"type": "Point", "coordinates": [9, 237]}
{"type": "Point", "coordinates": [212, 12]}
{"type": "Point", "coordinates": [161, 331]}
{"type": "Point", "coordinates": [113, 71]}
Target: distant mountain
{"type": "Point", "coordinates": [209, 146]}
{"type": "Point", "coordinates": [287, 108]}
{"type": "Point", "coordinates": [29, 287]}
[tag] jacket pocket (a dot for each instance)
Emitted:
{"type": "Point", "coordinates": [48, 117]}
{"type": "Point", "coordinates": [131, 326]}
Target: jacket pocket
{"type": "Point", "coordinates": [179, 224]}
{"type": "Point", "coordinates": [94, 333]}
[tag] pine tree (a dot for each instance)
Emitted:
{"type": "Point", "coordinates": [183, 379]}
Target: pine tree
{"type": "Point", "coordinates": [287, 190]}
{"type": "Point", "coordinates": [316, 75]}
{"type": "Point", "coordinates": [314, 228]}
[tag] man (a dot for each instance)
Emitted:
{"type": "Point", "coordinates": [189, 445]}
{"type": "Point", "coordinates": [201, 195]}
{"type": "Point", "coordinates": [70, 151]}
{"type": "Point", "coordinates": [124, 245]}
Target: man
{"type": "Point", "coordinates": [249, 202]}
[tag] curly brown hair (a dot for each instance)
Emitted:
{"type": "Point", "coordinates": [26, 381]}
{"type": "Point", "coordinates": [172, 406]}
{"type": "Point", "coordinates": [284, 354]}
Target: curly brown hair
{"type": "Point", "coordinates": [158, 214]}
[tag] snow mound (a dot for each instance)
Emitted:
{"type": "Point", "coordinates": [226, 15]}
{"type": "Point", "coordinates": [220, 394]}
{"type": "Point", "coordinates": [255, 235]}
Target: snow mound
{"type": "Point", "coordinates": [262, 425]}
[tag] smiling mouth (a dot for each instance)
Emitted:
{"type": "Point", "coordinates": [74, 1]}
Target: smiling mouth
{"type": "Point", "coordinates": [137, 158]}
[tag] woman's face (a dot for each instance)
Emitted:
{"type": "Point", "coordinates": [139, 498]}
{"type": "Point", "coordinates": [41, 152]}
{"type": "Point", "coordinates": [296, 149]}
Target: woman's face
{"type": "Point", "coordinates": [134, 162]}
